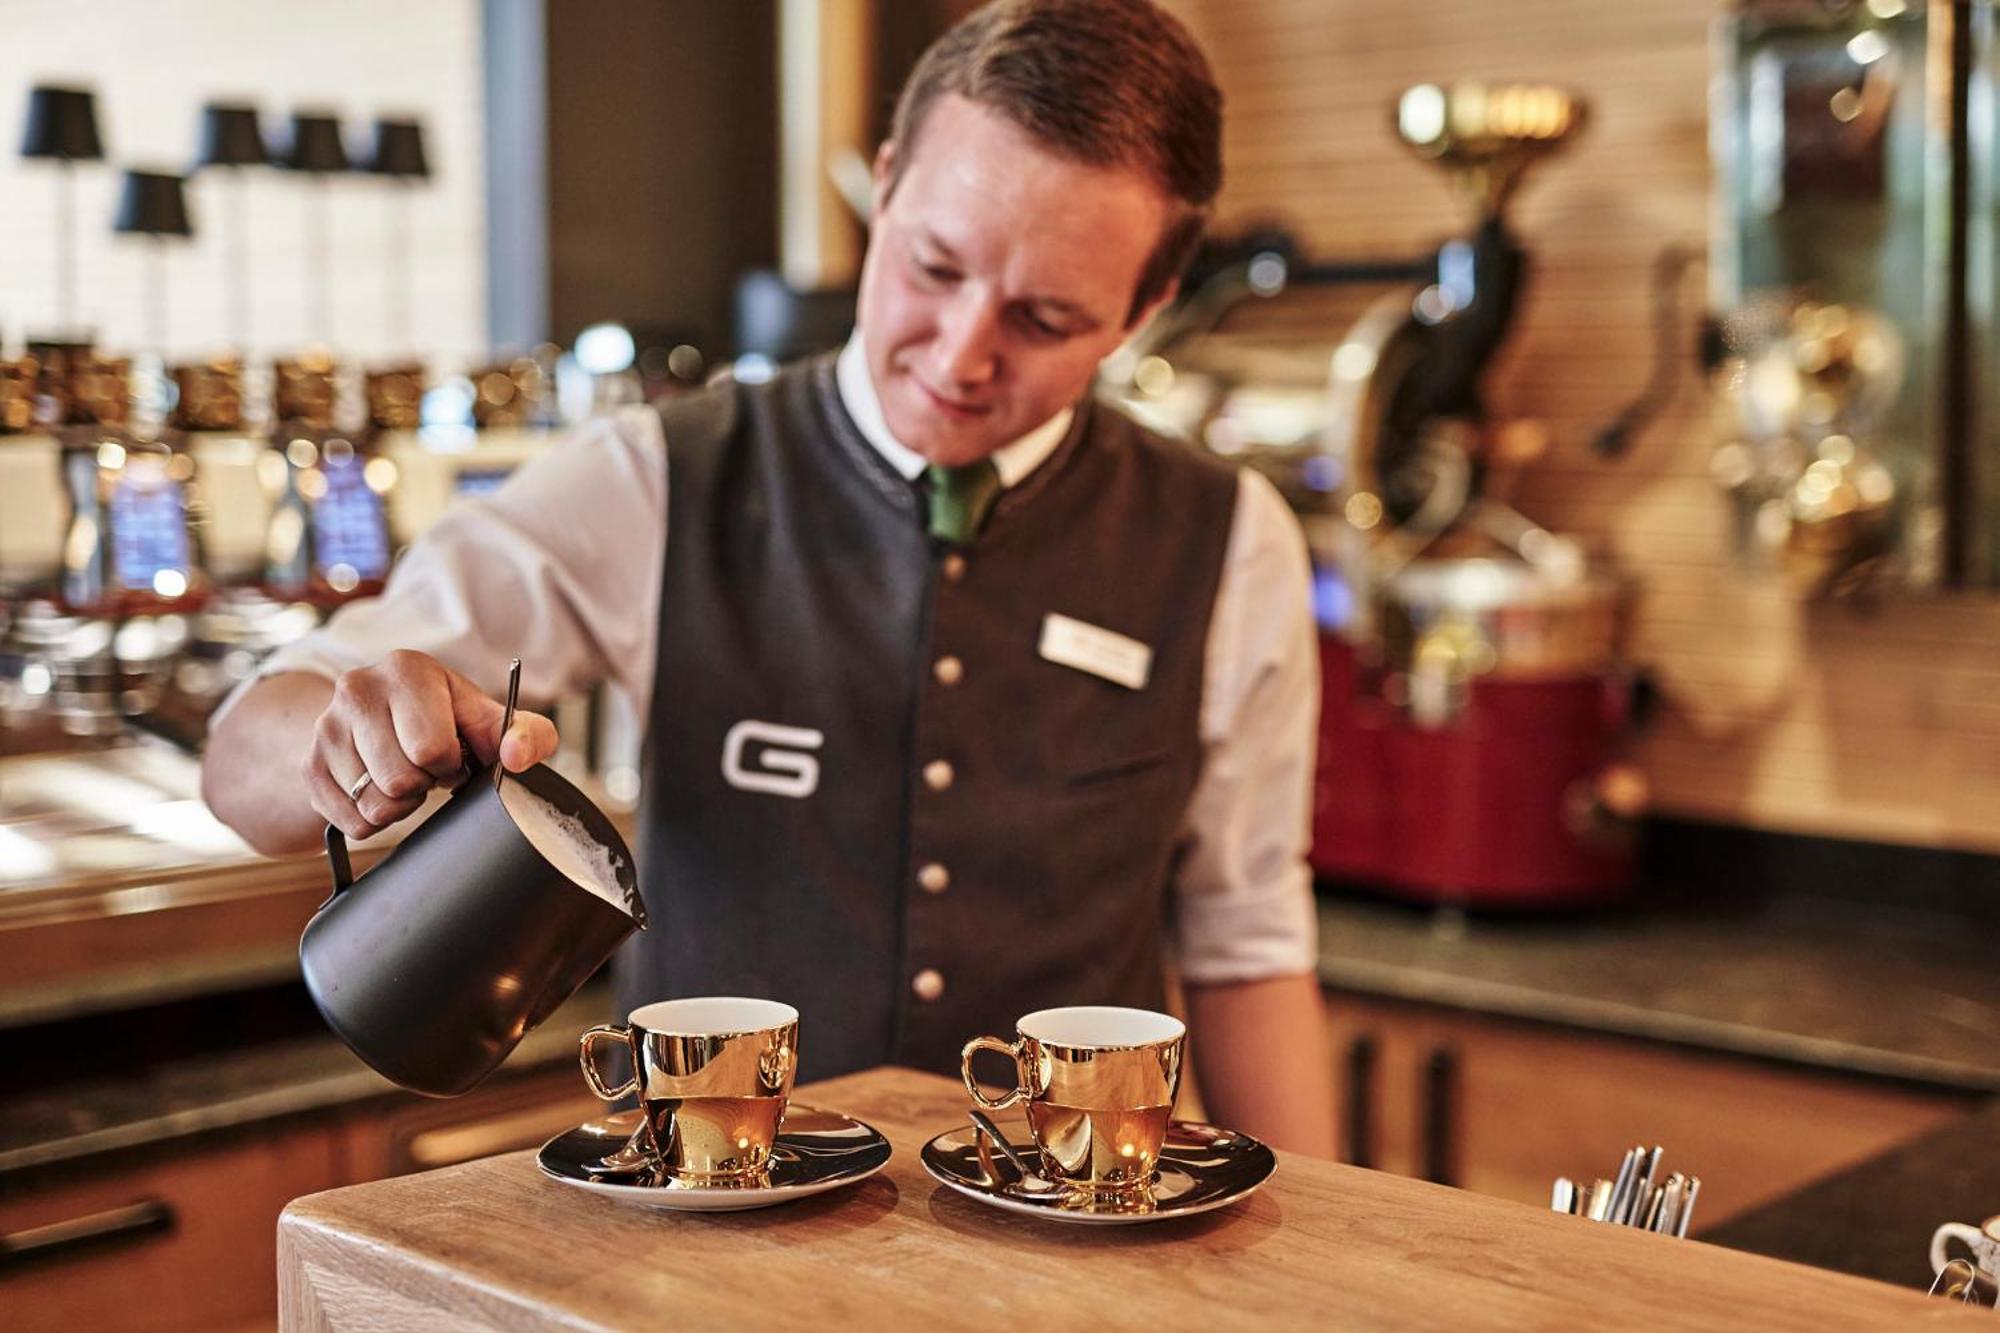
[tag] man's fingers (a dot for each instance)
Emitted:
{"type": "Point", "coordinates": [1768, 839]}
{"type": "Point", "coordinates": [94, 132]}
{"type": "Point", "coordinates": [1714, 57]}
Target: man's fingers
{"type": "Point", "coordinates": [360, 774]}
{"type": "Point", "coordinates": [330, 800]}
{"type": "Point", "coordinates": [392, 777]}
{"type": "Point", "coordinates": [380, 811]}
{"type": "Point", "coordinates": [531, 740]}
{"type": "Point", "coordinates": [478, 718]}
{"type": "Point", "coordinates": [362, 705]}
{"type": "Point", "coordinates": [474, 716]}
{"type": "Point", "coordinates": [422, 716]}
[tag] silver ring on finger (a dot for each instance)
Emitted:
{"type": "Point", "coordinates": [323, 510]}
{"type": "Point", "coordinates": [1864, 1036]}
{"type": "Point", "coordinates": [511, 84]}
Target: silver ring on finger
{"type": "Point", "coordinates": [359, 785]}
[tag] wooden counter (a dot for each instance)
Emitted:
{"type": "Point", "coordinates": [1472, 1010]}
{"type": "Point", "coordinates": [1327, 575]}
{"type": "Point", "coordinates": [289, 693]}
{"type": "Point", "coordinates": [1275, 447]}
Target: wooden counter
{"type": "Point", "coordinates": [492, 1243]}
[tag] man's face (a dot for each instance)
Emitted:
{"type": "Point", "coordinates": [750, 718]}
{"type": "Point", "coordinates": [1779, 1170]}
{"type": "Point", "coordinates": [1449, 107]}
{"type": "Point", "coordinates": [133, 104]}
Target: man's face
{"type": "Point", "coordinates": [998, 275]}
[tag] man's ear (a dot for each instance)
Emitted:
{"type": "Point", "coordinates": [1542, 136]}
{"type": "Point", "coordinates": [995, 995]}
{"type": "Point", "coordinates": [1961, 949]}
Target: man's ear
{"type": "Point", "coordinates": [885, 177]}
{"type": "Point", "coordinates": [1154, 307]}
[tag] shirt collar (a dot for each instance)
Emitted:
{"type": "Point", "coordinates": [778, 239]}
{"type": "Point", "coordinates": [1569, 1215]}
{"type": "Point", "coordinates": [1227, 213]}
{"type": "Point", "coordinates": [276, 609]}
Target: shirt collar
{"type": "Point", "coordinates": [1014, 460]}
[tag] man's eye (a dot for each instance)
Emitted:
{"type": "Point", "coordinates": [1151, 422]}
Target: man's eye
{"type": "Point", "coordinates": [1036, 324]}
{"type": "Point", "coordinates": [938, 272]}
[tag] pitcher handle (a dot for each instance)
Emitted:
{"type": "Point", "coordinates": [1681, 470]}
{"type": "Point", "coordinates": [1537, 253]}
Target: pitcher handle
{"type": "Point", "coordinates": [336, 845]}
{"type": "Point", "coordinates": [1010, 1049]}
{"type": "Point", "coordinates": [585, 1056]}
{"type": "Point", "coordinates": [336, 856]}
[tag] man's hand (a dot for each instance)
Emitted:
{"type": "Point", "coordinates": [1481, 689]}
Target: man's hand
{"type": "Point", "coordinates": [400, 722]}
{"type": "Point", "coordinates": [280, 762]}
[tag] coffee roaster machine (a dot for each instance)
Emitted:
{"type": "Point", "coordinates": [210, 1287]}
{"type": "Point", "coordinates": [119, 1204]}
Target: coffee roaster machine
{"type": "Point", "coordinates": [1478, 693]}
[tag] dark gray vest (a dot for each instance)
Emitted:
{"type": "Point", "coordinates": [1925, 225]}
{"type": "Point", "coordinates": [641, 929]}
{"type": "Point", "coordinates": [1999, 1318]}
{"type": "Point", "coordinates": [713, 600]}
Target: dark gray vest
{"type": "Point", "coordinates": [797, 825]}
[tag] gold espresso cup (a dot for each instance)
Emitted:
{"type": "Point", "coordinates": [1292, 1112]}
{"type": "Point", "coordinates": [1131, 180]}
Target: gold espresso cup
{"type": "Point", "coordinates": [713, 1075]}
{"type": "Point", "coordinates": [1099, 1086]}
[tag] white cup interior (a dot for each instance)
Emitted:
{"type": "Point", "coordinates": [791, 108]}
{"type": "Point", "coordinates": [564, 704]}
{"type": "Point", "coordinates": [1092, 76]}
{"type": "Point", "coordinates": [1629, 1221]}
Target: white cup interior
{"type": "Point", "coordinates": [711, 1016]}
{"type": "Point", "coordinates": [1100, 1025]}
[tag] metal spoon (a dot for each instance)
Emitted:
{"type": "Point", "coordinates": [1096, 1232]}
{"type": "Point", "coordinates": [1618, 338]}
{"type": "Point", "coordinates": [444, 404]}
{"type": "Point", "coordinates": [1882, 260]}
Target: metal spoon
{"type": "Point", "coordinates": [634, 1157]}
{"type": "Point", "coordinates": [992, 1131]}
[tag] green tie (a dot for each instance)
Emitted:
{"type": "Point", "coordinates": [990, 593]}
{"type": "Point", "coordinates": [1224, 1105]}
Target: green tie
{"type": "Point", "coordinates": [961, 497]}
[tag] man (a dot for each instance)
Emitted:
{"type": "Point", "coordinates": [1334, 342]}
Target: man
{"type": "Point", "coordinates": [960, 689]}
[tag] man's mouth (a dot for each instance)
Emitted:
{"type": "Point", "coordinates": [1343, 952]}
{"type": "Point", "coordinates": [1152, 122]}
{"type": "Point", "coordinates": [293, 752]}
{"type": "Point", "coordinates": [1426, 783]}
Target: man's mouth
{"type": "Point", "coordinates": [951, 407]}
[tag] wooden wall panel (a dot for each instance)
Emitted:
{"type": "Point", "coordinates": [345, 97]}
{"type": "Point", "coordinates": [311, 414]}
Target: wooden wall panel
{"type": "Point", "coordinates": [1828, 719]}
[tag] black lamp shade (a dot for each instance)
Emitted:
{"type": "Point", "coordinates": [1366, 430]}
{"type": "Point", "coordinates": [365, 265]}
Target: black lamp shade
{"type": "Point", "coordinates": [399, 149]}
{"type": "Point", "coordinates": [231, 137]}
{"type": "Point", "coordinates": [62, 122]}
{"type": "Point", "coordinates": [315, 144]}
{"type": "Point", "coordinates": [153, 203]}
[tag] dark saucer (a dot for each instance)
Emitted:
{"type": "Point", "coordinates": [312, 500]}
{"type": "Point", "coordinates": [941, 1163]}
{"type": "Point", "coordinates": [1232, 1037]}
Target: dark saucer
{"type": "Point", "coordinates": [1201, 1167]}
{"type": "Point", "coordinates": [816, 1151]}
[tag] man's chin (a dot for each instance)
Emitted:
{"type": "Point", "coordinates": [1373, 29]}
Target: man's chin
{"type": "Point", "coordinates": [954, 453]}
{"type": "Point", "coordinates": [946, 444]}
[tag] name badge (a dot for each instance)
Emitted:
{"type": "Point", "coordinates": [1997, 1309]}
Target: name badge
{"type": "Point", "coordinates": [1101, 652]}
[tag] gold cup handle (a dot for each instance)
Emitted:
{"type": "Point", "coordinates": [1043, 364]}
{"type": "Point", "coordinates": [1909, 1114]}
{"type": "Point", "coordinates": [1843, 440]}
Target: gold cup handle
{"type": "Point", "coordinates": [586, 1056]}
{"type": "Point", "coordinates": [1010, 1049]}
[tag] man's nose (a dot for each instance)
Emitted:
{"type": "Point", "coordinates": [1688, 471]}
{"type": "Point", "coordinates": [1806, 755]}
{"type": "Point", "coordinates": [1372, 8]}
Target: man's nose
{"type": "Point", "coordinates": [965, 351]}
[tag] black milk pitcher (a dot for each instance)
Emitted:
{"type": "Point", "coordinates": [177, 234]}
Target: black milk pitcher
{"type": "Point", "coordinates": [434, 964]}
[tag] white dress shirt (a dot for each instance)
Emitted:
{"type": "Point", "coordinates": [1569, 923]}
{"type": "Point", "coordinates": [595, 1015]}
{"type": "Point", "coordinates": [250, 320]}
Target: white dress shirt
{"type": "Point", "coordinates": [561, 568]}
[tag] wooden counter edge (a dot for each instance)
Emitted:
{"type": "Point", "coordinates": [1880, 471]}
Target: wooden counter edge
{"type": "Point", "coordinates": [377, 1286]}
{"type": "Point", "coordinates": [375, 1283]}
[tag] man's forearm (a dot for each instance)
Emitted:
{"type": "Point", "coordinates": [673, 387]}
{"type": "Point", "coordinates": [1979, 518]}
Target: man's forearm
{"type": "Point", "coordinates": [250, 771]}
{"type": "Point", "coordinates": [1260, 1051]}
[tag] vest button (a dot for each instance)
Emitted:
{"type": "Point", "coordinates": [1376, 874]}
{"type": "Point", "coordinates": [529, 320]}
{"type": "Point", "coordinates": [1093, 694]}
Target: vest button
{"type": "Point", "coordinates": [934, 878]}
{"type": "Point", "coordinates": [948, 670]}
{"type": "Point", "coordinates": [928, 984]}
{"type": "Point", "coordinates": [938, 775]}
{"type": "Point", "coordinates": [953, 567]}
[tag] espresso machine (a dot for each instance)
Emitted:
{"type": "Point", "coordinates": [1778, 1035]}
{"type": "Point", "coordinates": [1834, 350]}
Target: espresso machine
{"type": "Point", "coordinates": [97, 616]}
{"type": "Point", "coordinates": [1476, 686]}
{"type": "Point", "coordinates": [232, 423]}
{"type": "Point", "coordinates": [149, 565]}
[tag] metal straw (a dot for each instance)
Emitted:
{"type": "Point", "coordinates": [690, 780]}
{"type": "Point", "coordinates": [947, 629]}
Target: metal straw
{"type": "Point", "coordinates": [507, 719]}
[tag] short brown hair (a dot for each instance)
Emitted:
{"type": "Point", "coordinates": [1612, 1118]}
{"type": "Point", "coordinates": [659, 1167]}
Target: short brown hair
{"type": "Point", "coordinates": [1110, 83]}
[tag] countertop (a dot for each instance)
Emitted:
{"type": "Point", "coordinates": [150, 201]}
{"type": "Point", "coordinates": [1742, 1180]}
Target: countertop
{"type": "Point", "coordinates": [94, 819]}
{"type": "Point", "coordinates": [1798, 983]}
{"type": "Point", "coordinates": [1319, 1245]}
{"type": "Point", "coordinates": [119, 889]}
{"type": "Point", "coordinates": [1856, 988]}
{"type": "Point", "coordinates": [1835, 984]}
{"type": "Point", "coordinates": [1875, 1219]}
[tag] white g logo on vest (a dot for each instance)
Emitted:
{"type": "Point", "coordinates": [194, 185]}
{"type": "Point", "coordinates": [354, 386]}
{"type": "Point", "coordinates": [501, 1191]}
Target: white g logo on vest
{"type": "Point", "coordinates": [785, 766]}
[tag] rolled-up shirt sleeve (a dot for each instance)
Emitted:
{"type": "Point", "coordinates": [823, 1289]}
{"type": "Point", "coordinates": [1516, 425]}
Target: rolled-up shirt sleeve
{"type": "Point", "coordinates": [1242, 905]}
{"type": "Point", "coordinates": [559, 567]}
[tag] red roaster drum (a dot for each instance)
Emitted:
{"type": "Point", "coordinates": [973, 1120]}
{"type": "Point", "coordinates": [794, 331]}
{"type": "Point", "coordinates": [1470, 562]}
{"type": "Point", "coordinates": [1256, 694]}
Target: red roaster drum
{"type": "Point", "coordinates": [1469, 751]}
